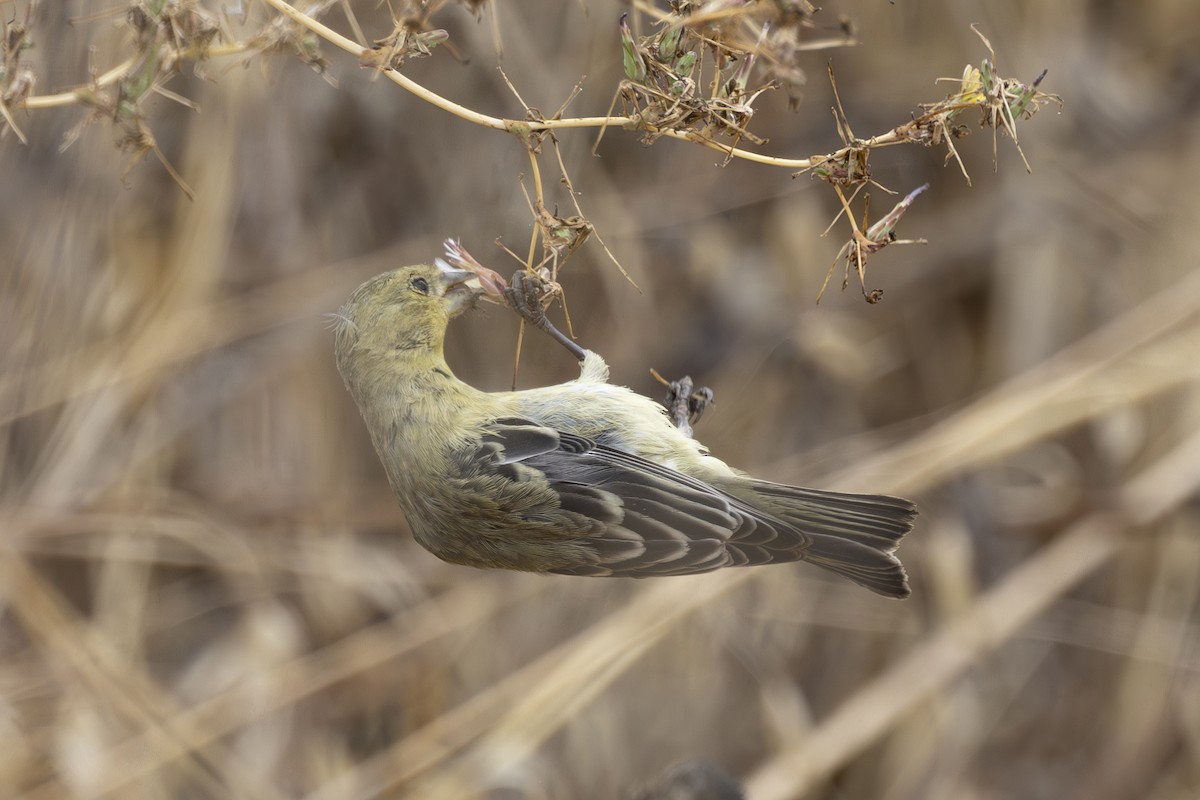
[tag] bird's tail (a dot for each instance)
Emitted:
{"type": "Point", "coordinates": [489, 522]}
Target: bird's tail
{"type": "Point", "coordinates": [854, 535]}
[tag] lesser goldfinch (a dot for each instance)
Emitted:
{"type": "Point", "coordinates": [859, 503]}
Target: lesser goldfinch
{"type": "Point", "coordinates": [582, 478]}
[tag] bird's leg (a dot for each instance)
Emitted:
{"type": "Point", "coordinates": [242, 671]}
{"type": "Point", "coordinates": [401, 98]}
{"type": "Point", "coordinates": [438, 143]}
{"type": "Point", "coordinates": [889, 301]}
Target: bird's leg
{"type": "Point", "coordinates": [678, 393]}
{"type": "Point", "coordinates": [524, 296]}
{"type": "Point", "coordinates": [686, 403]}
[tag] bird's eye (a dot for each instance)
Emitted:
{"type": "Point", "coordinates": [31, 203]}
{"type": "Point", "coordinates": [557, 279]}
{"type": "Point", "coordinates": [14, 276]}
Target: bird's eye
{"type": "Point", "coordinates": [420, 284]}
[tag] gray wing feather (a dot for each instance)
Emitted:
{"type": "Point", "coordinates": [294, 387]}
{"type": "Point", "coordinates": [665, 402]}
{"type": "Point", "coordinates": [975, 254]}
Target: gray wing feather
{"type": "Point", "coordinates": [647, 519]}
{"type": "Point", "coordinates": [652, 520]}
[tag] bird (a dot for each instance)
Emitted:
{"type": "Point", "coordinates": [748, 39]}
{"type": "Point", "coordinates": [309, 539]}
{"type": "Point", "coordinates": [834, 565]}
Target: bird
{"type": "Point", "coordinates": [584, 478]}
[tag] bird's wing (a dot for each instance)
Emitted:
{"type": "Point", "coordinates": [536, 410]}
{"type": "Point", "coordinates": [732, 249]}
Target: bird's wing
{"type": "Point", "coordinates": [640, 518]}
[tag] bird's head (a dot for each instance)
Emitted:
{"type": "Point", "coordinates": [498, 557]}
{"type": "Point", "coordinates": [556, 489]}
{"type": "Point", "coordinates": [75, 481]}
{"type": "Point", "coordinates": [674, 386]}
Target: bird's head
{"type": "Point", "coordinates": [404, 311]}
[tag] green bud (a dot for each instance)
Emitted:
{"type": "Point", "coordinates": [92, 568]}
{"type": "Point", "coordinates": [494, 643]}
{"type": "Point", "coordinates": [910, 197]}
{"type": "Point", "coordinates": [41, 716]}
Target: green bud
{"type": "Point", "coordinates": [986, 75]}
{"type": "Point", "coordinates": [668, 43]}
{"type": "Point", "coordinates": [1021, 103]}
{"type": "Point", "coordinates": [683, 66]}
{"type": "Point", "coordinates": [635, 66]}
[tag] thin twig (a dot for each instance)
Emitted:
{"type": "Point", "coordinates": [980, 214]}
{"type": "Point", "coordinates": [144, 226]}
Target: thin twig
{"type": "Point", "coordinates": [338, 40]}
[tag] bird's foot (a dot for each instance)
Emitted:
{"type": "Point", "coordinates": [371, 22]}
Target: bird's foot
{"type": "Point", "coordinates": [687, 402]}
{"type": "Point", "coordinates": [524, 294]}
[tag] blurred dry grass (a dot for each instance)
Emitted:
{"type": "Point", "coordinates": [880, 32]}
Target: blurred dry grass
{"type": "Point", "coordinates": [207, 590]}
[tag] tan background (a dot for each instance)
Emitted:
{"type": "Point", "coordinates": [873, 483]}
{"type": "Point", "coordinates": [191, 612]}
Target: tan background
{"type": "Point", "coordinates": [208, 590]}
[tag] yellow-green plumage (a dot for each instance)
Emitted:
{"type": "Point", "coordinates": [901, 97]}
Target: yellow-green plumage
{"type": "Point", "coordinates": [581, 478]}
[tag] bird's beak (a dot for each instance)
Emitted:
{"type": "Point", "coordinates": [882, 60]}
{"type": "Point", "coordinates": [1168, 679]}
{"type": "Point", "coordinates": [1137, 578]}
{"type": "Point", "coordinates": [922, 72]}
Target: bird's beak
{"type": "Point", "coordinates": [462, 287]}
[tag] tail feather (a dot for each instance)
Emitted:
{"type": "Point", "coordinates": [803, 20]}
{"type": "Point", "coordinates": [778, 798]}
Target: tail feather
{"type": "Point", "coordinates": [877, 570]}
{"type": "Point", "coordinates": [880, 515]}
{"type": "Point", "coordinates": [853, 535]}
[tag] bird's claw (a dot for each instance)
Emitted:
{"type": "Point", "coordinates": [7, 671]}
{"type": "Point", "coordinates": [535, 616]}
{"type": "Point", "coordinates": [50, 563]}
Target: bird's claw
{"type": "Point", "coordinates": [699, 400]}
{"type": "Point", "coordinates": [524, 294]}
{"type": "Point", "coordinates": [687, 403]}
